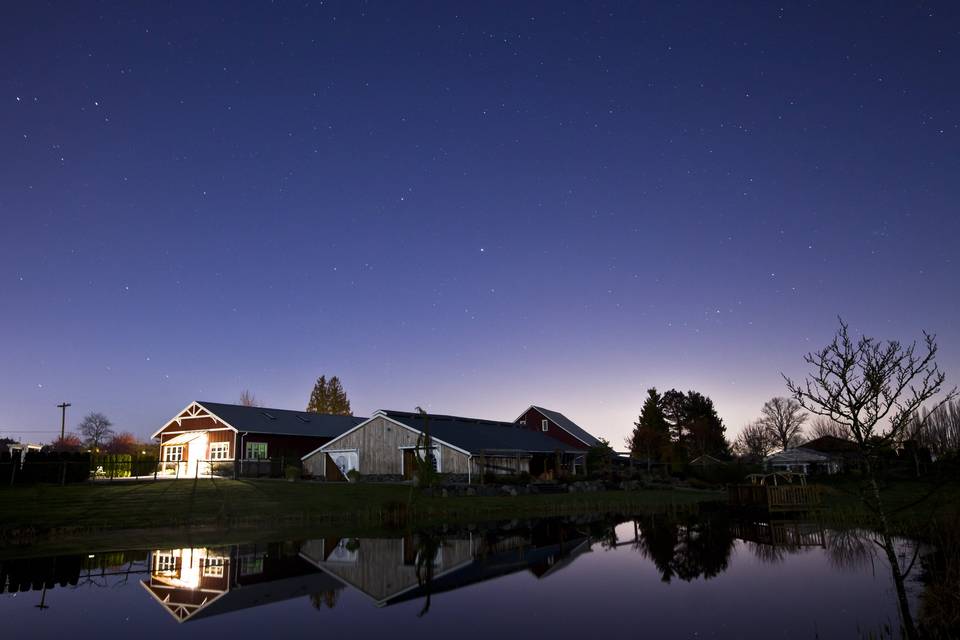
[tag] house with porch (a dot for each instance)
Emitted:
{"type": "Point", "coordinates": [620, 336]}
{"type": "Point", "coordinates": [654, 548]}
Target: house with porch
{"type": "Point", "coordinates": [388, 445]}
{"type": "Point", "coordinates": [229, 439]}
{"type": "Point", "coordinates": [802, 460]}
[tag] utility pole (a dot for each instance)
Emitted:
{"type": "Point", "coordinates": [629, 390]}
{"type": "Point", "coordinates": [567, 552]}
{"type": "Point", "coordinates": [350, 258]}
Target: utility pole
{"type": "Point", "coordinates": [63, 417]}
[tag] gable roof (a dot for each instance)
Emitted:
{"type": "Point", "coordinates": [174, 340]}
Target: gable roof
{"type": "Point", "coordinates": [797, 454]}
{"type": "Point", "coordinates": [475, 435]}
{"type": "Point", "coordinates": [830, 444]}
{"type": "Point", "coordinates": [276, 421]}
{"type": "Point", "coordinates": [281, 421]}
{"type": "Point", "coordinates": [566, 424]}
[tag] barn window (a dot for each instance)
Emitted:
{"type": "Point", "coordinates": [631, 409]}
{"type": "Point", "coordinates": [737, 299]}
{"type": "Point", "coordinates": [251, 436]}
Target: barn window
{"type": "Point", "coordinates": [220, 451]}
{"type": "Point", "coordinates": [173, 453]}
{"type": "Point", "coordinates": [544, 425]}
{"type": "Point", "coordinates": [256, 451]}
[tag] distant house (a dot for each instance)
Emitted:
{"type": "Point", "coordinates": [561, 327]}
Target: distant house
{"type": "Point", "coordinates": [386, 447]}
{"type": "Point", "coordinates": [557, 426]}
{"type": "Point", "coordinates": [845, 452]}
{"type": "Point", "coordinates": [23, 448]}
{"type": "Point", "coordinates": [212, 432]}
{"type": "Point", "coordinates": [802, 460]}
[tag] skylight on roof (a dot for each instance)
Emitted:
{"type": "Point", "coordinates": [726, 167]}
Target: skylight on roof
{"type": "Point", "coordinates": [302, 419]}
{"type": "Point", "coordinates": [269, 415]}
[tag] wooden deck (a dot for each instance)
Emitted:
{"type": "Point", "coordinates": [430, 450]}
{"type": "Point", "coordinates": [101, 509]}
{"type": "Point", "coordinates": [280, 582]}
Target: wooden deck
{"type": "Point", "coordinates": [775, 498]}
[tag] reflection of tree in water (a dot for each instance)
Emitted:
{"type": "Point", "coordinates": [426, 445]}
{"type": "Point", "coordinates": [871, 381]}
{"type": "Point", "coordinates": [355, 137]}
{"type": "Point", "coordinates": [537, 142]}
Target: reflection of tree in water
{"type": "Point", "coordinates": [850, 548]}
{"type": "Point", "coordinates": [428, 546]}
{"type": "Point", "coordinates": [687, 547]}
{"type": "Point", "coordinates": [767, 553]}
{"type": "Point", "coordinates": [325, 599]}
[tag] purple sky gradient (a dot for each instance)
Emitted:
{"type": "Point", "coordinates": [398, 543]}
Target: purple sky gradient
{"type": "Point", "coordinates": [468, 208]}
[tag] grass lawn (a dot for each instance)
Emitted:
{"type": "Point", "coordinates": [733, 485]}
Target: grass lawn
{"type": "Point", "coordinates": [911, 504]}
{"type": "Point", "coordinates": [75, 510]}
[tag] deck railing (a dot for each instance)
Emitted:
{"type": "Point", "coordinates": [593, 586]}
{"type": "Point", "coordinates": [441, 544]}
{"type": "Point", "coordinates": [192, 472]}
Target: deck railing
{"type": "Point", "coordinates": [775, 498]}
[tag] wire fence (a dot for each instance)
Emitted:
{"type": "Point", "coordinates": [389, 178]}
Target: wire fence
{"type": "Point", "coordinates": [53, 468]}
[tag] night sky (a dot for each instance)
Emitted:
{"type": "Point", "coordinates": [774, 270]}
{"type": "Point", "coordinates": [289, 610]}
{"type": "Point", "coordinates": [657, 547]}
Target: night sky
{"type": "Point", "coordinates": [472, 207]}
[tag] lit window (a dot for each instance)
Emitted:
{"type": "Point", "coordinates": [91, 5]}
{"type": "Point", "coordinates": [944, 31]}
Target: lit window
{"type": "Point", "coordinates": [256, 451]}
{"type": "Point", "coordinates": [164, 563]}
{"type": "Point", "coordinates": [173, 453]}
{"type": "Point", "coordinates": [251, 564]}
{"type": "Point", "coordinates": [544, 425]}
{"type": "Point", "coordinates": [219, 450]}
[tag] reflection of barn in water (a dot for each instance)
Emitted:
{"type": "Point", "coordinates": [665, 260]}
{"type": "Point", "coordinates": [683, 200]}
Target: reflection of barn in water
{"type": "Point", "coordinates": [393, 570]}
{"type": "Point", "coordinates": [194, 583]}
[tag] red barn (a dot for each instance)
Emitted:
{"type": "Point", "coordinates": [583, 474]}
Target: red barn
{"type": "Point", "coordinates": [557, 426]}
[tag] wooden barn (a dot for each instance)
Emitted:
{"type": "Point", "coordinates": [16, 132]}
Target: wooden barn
{"type": "Point", "coordinates": [383, 448]}
{"type": "Point", "coordinates": [210, 437]}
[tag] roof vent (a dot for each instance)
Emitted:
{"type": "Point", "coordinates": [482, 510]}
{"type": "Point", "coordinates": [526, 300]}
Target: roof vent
{"type": "Point", "coordinates": [302, 419]}
{"type": "Point", "coordinates": [269, 415]}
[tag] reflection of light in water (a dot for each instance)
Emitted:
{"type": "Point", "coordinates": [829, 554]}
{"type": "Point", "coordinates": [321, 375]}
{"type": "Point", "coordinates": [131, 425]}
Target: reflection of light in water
{"type": "Point", "coordinates": [192, 564]}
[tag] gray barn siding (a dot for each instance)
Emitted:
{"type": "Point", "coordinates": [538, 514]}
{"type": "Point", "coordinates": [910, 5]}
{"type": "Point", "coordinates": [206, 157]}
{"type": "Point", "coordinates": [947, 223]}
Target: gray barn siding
{"type": "Point", "coordinates": [378, 444]}
{"type": "Point", "coordinates": [380, 570]}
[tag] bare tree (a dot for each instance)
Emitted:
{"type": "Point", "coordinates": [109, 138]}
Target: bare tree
{"type": "Point", "coordinates": [822, 426]}
{"type": "Point", "coordinates": [873, 389]}
{"type": "Point", "coordinates": [783, 419]}
{"type": "Point", "coordinates": [247, 399]}
{"type": "Point", "coordinates": [754, 442]}
{"type": "Point", "coordinates": [937, 429]}
{"type": "Point", "coordinates": [868, 387]}
{"type": "Point", "coordinates": [95, 429]}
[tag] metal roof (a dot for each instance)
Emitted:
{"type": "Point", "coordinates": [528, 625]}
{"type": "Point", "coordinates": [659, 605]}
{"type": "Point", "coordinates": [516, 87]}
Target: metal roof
{"type": "Point", "coordinates": [476, 435]}
{"type": "Point", "coordinates": [281, 421]}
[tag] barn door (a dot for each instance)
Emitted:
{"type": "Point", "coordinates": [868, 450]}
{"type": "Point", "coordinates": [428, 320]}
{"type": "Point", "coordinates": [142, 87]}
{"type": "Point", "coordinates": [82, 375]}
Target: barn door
{"type": "Point", "coordinates": [333, 471]}
{"type": "Point", "coordinates": [409, 464]}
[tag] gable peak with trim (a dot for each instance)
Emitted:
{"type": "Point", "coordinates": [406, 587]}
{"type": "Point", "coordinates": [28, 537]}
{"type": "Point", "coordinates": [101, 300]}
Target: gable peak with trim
{"type": "Point", "coordinates": [564, 423]}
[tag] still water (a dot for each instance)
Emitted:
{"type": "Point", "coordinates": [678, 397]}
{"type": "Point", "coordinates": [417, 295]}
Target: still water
{"type": "Point", "coordinates": [652, 576]}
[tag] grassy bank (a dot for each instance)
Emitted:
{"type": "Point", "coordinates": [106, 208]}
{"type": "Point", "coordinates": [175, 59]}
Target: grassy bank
{"type": "Point", "coordinates": [911, 504]}
{"type": "Point", "coordinates": [33, 514]}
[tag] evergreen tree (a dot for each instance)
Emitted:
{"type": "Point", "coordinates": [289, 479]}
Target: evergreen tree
{"type": "Point", "coordinates": [339, 403]}
{"type": "Point", "coordinates": [651, 433]}
{"type": "Point", "coordinates": [674, 406]}
{"type": "Point", "coordinates": [319, 402]}
{"type": "Point", "coordinates": [705, 428]}
{"type": "Point", "coordinates": [328, 397]}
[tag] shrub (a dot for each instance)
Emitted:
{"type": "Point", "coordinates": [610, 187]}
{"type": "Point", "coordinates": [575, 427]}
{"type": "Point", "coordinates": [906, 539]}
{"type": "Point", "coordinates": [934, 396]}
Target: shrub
{"type": "Point", "coordinates": [353, 475]}
{"type": "Point", "coordinates": [292, 472]}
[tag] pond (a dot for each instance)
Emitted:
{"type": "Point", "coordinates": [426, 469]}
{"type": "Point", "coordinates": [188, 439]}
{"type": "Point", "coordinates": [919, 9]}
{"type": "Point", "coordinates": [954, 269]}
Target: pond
{"type": "Point", "coordinates": [657, 576]}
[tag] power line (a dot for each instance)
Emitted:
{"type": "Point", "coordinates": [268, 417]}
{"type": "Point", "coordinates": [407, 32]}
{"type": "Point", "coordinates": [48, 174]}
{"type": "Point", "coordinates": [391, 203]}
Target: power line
{"type": "Point", "coordinates": [6, 430]}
